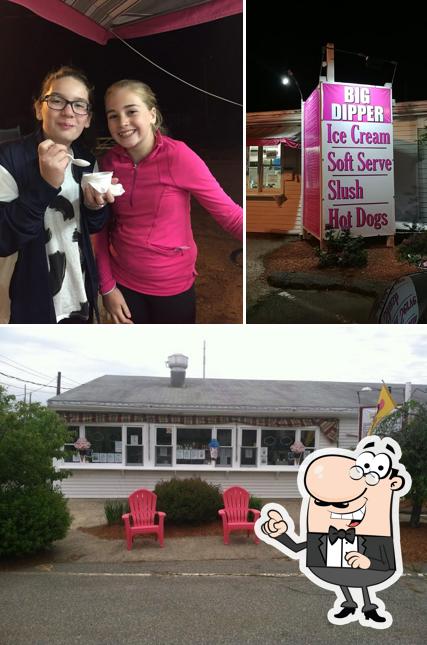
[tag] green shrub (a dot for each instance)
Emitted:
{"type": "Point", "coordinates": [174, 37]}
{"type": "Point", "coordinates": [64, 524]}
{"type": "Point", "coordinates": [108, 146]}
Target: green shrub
{"type": "Point", "coordinates": [188, 501]}
{"type": "Point", "coordinates": [342, 250]}
{"type": "Point", "coordinates": [413, 249]}
{"type": "Point", "coordinates": [256, 502]}
{"type": "Point", "coordinates": [31, 519]}
{"type": "Point", "coordinates": [114, 509]}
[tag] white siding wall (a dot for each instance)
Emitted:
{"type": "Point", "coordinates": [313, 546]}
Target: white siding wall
{"type": "Point", "coordinates": [108, 484]}
{"type": "Point", "coordinates": [324, 442]}
{"type": "Point", "coordinates": [348, 436]}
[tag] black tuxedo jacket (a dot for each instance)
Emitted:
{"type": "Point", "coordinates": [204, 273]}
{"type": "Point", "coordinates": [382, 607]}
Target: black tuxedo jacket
{"type": "Point", "coordinates": [378, 548]}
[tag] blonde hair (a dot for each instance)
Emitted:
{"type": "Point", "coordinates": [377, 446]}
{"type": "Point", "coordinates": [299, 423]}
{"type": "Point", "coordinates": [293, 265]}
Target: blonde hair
{"type": "Point", "coordinates": [146, 95]}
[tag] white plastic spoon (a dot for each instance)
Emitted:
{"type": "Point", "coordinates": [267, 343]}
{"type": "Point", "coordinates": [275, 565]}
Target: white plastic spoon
{"type": "Point", "coordinates": [78, 162]}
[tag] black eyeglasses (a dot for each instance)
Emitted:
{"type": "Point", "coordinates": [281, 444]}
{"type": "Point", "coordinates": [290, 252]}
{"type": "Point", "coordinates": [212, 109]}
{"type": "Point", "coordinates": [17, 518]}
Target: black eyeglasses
{"type": "Point", "coordinates": [55, 102]}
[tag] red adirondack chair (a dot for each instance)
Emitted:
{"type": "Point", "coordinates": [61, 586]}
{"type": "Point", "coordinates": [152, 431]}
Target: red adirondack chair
{"type": "Point", "coordinates": [142, 516]}
{"type": "Point", "coordinates": [235, 514]}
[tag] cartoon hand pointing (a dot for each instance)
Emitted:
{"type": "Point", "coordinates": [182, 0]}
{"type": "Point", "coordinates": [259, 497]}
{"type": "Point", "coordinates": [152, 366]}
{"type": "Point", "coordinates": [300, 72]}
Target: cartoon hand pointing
{"type": "Point", "coordinates": [275, 525]}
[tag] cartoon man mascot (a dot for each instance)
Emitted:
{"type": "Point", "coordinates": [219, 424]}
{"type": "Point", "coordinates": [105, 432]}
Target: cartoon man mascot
{"type": "Point", "coordinates": [349, 526]}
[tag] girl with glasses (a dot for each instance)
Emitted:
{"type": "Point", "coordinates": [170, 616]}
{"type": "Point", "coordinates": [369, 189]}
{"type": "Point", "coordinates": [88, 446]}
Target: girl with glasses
{"type": "Point", "coordinates": [45, 226]}
{"type": "Point", "coordinates": [146, 257]}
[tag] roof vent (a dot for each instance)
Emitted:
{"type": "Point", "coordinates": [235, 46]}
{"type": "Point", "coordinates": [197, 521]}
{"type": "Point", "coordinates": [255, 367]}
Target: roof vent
{"type": "Point", "coordinates": [178, 364]}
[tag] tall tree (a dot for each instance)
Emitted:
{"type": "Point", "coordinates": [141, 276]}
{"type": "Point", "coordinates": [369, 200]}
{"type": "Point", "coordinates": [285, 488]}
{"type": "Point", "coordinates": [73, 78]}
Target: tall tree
{"type": "Point", "coordinates": [408, 426]}
{"type": "Point", "coordinates": [33, 513]}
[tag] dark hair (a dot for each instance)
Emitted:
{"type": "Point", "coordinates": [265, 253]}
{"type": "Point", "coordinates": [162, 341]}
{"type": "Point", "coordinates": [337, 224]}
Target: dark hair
{"type": "Point", "coordinates": [87, 138]}
{"type": "Point", "coordinates": [146, 95]}
{"type": "Point", "coordinates": [64, 72]}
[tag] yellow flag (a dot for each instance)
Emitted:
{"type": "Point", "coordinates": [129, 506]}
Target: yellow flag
{"type": "Point", "coordinates": [385, 406]}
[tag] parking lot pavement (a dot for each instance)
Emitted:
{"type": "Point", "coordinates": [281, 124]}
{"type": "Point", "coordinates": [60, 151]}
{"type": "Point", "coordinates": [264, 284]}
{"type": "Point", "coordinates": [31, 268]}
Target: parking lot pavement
{"type": "Point", "coordinates": [196, 590]}
{"type": "Point", "coordinates": [207, 603]}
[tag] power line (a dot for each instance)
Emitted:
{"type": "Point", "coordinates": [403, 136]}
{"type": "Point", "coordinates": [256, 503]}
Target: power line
{"type": "Point", "coordinates": [23, 392]}
{"type": "Point", "coordinates": [23, 389]}
{"type": "Point", "coordinates": [15, 387]}
{"type": "Point", "coordinates": [12, 363]}
{"type": "Point", "coordinates": [33, 382]}
{"type": "Point", "coordinates": [70, 379]}
{"type": "Point", "coordinates": [199, 89]}
{"type": "Point", "coordinates": [47, 385]}
{"type": "Point", "coordinates": [22, 367]}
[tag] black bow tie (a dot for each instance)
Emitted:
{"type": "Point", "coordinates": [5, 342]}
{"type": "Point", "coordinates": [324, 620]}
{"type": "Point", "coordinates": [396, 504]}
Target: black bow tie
{"type": "Point", "coordinates": [339, 534]}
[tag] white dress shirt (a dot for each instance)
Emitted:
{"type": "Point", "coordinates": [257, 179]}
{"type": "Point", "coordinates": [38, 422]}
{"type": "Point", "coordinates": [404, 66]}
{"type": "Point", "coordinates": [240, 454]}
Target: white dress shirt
{"type": "Point", "coordinates": [335, 554]}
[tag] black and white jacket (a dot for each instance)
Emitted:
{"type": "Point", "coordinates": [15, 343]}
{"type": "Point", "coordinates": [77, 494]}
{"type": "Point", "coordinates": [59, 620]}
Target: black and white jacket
{"type": "Point", "coordinates": [23, 230]}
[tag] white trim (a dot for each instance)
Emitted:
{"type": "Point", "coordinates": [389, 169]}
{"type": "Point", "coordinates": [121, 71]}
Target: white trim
{"type": "Point", "coordinates": [207, 468]}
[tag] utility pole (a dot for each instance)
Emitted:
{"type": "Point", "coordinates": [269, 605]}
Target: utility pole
{"type": "Point", "coordinates": [58, 384]}
{"type": "Point", "coordinates": [25, 392]}
{"type": "Point", "coordinates": [330, 63]}
{"type": "Point", "coordinates": [204, 359]}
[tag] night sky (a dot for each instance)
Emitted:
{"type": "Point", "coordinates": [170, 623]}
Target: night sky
{"type": "Point", "coordinates": [209, 56]}
{"type": "Point", "coordinates": [278, 40]}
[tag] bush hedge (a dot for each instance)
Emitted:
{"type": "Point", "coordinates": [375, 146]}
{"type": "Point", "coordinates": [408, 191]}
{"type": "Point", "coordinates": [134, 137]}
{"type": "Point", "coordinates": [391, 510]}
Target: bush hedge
{"type": "Point", "coordinates": [256, 502]}
{"type": "Point", "coordinates": [342, 250]}
{"type": "Point", "coordinates": [188, 501]}
{"type": "Point", "coordinates": [31, 519]}
{"type": "Point", "coordinates": [413, 249]}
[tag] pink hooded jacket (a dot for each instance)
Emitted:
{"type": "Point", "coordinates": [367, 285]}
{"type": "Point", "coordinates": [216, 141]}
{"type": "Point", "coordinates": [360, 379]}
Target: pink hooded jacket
{"type": "Point", "coordinates": [149, 246]}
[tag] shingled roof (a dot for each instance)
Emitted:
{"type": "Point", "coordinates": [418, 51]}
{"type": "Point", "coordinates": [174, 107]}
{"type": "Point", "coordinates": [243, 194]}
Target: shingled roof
{"type": "Point", "coordinates": [143, 393]}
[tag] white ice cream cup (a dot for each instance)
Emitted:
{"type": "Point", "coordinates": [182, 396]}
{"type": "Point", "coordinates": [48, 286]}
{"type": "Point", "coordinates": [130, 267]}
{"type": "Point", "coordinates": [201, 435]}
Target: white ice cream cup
{"type": "Point", "coordinates": [101, 181]}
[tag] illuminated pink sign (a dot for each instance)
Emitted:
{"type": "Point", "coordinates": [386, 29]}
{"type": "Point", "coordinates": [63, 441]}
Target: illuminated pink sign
{"type": "Point", "coordinates": [357, 159]}
{"type": "Point", "coordinates": [357, 103]}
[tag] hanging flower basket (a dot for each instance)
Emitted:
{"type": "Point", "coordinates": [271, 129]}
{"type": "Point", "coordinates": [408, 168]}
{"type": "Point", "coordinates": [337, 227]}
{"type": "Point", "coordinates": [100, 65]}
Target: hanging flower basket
{"type": "Point", "coordinates": [298, 451]}
{"type": "Point", "coordinates": [82, 445]}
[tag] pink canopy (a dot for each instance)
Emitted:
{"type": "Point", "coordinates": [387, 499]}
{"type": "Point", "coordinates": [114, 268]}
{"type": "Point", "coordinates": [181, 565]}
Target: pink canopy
{"type": "Point", "coordinates": [264, 134]}
{"type": "Point", "coordinates": [130, 18]}
{"type": "Point", "coordinates": [273, 141]}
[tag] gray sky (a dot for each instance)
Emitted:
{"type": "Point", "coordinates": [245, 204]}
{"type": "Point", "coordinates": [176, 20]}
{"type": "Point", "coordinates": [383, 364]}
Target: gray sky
{"type": "Point", "coordinates": [394, 353]}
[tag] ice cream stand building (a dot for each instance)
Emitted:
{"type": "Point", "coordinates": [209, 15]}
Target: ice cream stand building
{"type": "Point", "coordinates": [128, 432]}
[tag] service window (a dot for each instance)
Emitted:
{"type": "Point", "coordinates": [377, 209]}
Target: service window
{"type": "Point", "coordinates": [276, 447]}
{"type": "Point", "coordinates": [277, 444]}
{"type": "Point", "coordinates": [308, 438]}
{"type": "Point", "coordinates": [248, 448]}
{"type": "Point", "coordinates": [271, 171]}
{"type": "Point", "coordinates": [70, 453]}
{"type": "Point", "coordinates": [192, 445]}
{"type": "Point", "coordinates": [225, 451]}
{"type": "Point", "coordinates": [252, 173]}
{"type": "Point", "coordinates": [106, 444]}
{"type": "Point", "coordinates": [134, 446]}
{"type": "Point", "coordinates": [163, 447]}
{"type": "Point", "coordinates": [264, 169]}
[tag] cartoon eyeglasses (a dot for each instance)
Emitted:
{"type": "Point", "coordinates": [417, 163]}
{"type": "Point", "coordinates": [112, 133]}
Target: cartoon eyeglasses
{"type": "Point", "coordinates": [372, 467]}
